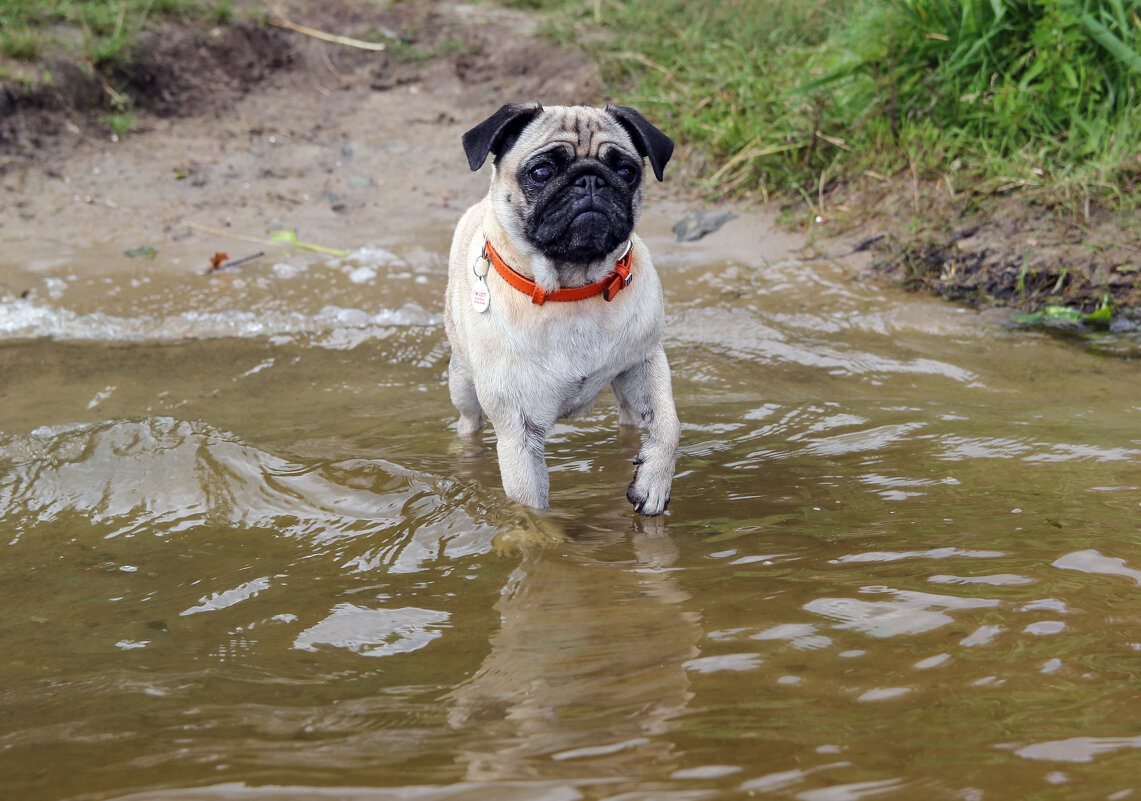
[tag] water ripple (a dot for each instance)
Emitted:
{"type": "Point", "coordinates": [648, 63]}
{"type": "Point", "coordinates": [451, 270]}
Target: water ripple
{"type": "Point", "coordinates": [741, 334]}
{"type": "Point", "coordinates": [163, 476]}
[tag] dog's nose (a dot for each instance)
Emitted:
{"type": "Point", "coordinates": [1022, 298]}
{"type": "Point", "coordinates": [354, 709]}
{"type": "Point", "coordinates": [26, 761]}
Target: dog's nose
{"type": "Point", "coordinates": [590, 182]}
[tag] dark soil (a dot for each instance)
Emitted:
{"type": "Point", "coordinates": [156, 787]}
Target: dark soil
{"type": "Point", "coordinates": [174, 70]}
{"type": "Point", "coordinates": [996, 251]}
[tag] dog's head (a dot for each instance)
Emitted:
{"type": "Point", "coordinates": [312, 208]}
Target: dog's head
{"type": "Point", "coordinates": [568, 179]}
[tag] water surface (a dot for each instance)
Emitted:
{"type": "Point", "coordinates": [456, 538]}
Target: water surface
{"type": "Point", "coordinates": [244, 555]}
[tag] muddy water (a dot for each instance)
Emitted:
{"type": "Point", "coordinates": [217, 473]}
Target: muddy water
{"type": "Point", "coordinates": [244, 555]}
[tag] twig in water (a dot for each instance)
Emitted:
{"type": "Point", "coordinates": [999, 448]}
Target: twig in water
{"type": "Point", "coordinates": [239, 262]}
{"type": "Point", "coordinates": [223, 232]}
{"type": "Point", "coordinates": [219, 264]}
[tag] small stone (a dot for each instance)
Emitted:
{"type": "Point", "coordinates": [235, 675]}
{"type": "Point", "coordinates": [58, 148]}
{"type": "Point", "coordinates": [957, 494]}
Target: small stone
{"type": "Point", "coordinates": [700, 223]}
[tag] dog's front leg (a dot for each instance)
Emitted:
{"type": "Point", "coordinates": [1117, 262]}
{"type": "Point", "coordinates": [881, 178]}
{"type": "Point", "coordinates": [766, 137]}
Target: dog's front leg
{"type": "Point", "coordinates": [645, 397]}
{"type": "Point", "coordinates": [519, 443]}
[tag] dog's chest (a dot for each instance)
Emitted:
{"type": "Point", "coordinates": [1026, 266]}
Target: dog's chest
{"type": "Point", "coordinates": [580, 394]}
{"type": "Point", "coordinates": [574, 364]}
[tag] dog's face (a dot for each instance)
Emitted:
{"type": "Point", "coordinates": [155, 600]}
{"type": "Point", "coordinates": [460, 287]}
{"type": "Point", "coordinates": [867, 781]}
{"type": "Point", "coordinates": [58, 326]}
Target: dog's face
{"type": "Point", "coordinates": [568, 179]}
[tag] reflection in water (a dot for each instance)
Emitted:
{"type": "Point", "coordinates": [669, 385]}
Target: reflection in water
{"type": "Point", "coordinates": [220, 600]}
{"type": "Point", "coordinates": [932, 553]}
{"type": "Point", "coordinates": [587, 669]}
{"type": "Point", "coordinates": [784, 780]}
{"type": "Point", "coordinates": [374, 632]}
{"type": "Point", "coordinates": [908, 613]}
{"type": "Point", "coordinates": [1078, 749]}
{"type": "Point", "coordinates": [1093, 562]}
{"type": "Point", "coordinates": [744, 334]}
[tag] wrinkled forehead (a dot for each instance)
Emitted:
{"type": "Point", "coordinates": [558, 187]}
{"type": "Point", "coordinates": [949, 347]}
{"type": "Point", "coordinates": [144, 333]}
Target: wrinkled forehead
{"type": "Point", "coordinates": [589, 131]}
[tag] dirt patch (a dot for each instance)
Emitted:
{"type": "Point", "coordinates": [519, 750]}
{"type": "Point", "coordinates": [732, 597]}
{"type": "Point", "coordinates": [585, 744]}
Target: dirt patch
{"type": "Point", "coordinates": [1022, 256]}
{"type": "Point", "coordinates": [993, 251]}
{"type": "Point", "coordinates": [243, 131]}
{"type": "Point", "coordinates": [173, 70]}
{"type": "Point", "coordinates": [188, 68]}
{"type": "Point", "coordinates": [180, 71]}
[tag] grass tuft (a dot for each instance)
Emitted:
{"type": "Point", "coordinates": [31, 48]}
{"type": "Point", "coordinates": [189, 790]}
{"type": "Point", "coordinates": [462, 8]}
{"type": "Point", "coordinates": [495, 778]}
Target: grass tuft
{"type": "Point", "coordinates": [785, 96]}
{"type": "Point", "coordinates": [109, 27]}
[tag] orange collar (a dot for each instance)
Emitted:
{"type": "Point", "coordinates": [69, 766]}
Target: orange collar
{"type": "Point", "coordinates": [608, 287]}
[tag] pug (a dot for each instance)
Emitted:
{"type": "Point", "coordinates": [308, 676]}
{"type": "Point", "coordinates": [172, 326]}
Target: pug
{"type": "Point", "coordinates": [552, 297]}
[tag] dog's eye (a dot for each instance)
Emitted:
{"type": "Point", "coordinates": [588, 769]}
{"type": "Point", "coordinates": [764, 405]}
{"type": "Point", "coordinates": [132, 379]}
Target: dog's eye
{"type": "Point", "coordinates": [542, 174]}
{"type": "Point", "coordinates": [627, 174]}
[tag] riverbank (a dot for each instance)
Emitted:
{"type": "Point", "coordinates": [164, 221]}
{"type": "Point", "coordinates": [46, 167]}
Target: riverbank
{"type": "Point", "coordinates": [1011, 245]}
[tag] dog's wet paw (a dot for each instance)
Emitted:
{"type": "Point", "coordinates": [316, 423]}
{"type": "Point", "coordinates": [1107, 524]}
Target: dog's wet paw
{"type": "Point", "coordinates": [649, 495]}
{"type": "Point", "coordinates": [469, 426]}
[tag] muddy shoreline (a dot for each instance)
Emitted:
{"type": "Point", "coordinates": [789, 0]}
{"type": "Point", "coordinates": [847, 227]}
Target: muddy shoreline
{"type": "Point", "coordinates": [225, 146]}
{"type": "Point", "coordinates": [255, 129]}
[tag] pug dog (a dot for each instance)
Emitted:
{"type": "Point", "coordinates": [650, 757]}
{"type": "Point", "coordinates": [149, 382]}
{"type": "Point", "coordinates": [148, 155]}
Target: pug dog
{"type": "Point", "coordinates": [552, 297]}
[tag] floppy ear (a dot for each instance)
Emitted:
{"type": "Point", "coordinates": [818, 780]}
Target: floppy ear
{"type": "Point", "coordinates": [651, 143]}
{"type": "Point", "coordinates": [498, 132]}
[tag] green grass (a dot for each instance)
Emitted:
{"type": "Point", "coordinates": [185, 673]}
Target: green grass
{"type": "Point", "coordinates": [786, 96]}
{"type": "Point", "coordinates": [119, 123]}
{"type": "Point", "coordinates": [20, 43]}
{"type": "Point", "coordinates": [108, 27]}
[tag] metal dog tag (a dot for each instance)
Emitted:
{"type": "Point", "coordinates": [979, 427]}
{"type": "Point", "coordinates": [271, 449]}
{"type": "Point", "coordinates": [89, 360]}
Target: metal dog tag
{"type": "Point", "coordinates": [480, 296]}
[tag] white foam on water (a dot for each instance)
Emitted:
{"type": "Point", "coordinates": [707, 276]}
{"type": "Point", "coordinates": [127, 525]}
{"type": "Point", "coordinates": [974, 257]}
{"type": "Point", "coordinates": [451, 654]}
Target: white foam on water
{"type": "Point", "coordinates": [26, 319]}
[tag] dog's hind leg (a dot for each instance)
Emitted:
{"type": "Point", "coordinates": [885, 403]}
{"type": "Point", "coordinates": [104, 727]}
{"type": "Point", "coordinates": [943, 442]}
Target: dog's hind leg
{"type": "Point", "coordinates": [645, 397]}
{"type": "Point", "coordinates": [462, 389]}
{"type": "Point", "coordinates": [628, 412]}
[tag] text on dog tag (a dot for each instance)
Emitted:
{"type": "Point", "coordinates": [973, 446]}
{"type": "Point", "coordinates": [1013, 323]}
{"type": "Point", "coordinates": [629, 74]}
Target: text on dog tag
{"type": "Point", "coordinates": [480, 297]}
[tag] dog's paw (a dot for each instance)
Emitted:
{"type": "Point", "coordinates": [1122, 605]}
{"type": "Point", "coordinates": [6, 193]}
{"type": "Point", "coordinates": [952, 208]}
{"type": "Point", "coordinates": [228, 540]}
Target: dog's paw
{"type": "Point", "coordinates": [469, 426]}
{"type": "Point", "coordinates": [649, 492]}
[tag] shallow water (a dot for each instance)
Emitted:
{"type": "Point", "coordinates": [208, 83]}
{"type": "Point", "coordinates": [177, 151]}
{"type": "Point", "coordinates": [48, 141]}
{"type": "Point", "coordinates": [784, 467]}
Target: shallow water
{"type": "Point", "coordinates": [244, 556]}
